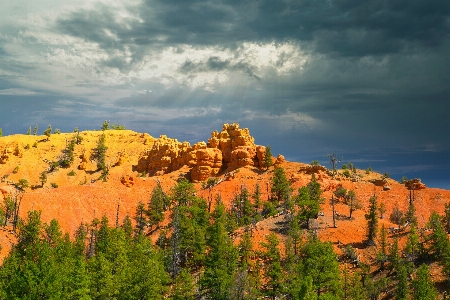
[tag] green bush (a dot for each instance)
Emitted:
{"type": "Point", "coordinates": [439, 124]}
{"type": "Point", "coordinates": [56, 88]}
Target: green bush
{"type": "Point", "coordinates": [71, 173]}
{"type": "Point", "coordinates": [346, 173]}
{"type": "Point", "coordinates": [54, 185]}
{"type": "Point", "coordinates": [118, 127]}
{"type": "Point", "coordinates": [16, 169]}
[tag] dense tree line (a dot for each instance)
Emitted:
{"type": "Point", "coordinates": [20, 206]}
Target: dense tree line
{"type": "Point", "coordinates": [198, 256]}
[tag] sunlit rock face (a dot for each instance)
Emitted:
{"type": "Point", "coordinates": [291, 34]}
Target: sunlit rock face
{"type": "Point", "coordinates": [229, 149]}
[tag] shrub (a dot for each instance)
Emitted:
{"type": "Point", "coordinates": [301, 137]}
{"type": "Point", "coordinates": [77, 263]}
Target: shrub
{"type": "Point", "coordinates": [35, 145]}
{"type": "Point", "coordinates": [346, 173]}
{"type": "Point", "coordinates": [57, 131]}
{"type": "Point", "coordinates": [27, 146]}
{"type": "Point", "coordinates": [118, 127]}
{"type": "Point", "coordinates": [269, 209]}
{"type": "Point", "coordinates": [315, 163]}
{"type": "Point", "coordinates": [54, 185]}
{"type": "Point", "coordinates": [16, 169]}
{"type": "Point", "coordinates": [23, 184]}
{"type": "Point", "coordinates": [71, 173]}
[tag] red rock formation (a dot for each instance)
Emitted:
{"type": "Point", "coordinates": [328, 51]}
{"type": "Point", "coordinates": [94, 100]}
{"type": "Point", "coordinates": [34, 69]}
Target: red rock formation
{"type": "Point", "coordinates": [280, 160]}
{"type": "Point", "coordinates": [208, 163]}
{"type": "Point", "coordinates": [230, 149]}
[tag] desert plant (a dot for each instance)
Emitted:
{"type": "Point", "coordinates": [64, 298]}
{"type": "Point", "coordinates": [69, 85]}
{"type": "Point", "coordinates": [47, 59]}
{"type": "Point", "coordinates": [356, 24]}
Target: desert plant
{"type": "Point", "coordinates": [1, 131]}
{"type": "Point", "coordinates": [35, 144]}
{"type": "Point", "coordinates": [315, 163]}
{"type": "Point", "coordinates": [54, 185]}
{"type": "Point", "coordinates": [71, 173]}
{"type": "Point", "coordinates": [57, 131]}
{"type": "Point", "coordinates": [27, 146]}
{"type": "Point", "coordinates": [29, 131]}
{"type": "Point", "coordinates": [35, 130]}
{"type": "Point", "coordinates": [16, 169]}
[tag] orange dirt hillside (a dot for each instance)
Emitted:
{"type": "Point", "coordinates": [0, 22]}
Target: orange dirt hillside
{"type": "Point", "coordinates": [137, 161]}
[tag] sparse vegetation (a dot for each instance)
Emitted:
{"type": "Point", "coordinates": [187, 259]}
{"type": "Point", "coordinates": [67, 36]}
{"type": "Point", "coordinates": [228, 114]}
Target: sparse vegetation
{"type": "Point", "coordinates": [35, 145]}
{"type": "Point", "coordinates": [178, 245]}
{"type": "Point", "coordinates": [35, 130]}
{"type": "Point", "coordinates": [16, 170]}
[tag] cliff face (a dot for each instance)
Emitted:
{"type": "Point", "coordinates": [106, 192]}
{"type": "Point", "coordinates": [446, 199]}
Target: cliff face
{"type": "Point", "coordinates": [228, 150]}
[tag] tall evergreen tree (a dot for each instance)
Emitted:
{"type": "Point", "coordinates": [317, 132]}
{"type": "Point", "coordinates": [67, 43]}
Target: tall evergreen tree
{"type": "Point", "coordinates": [320, 263]}
{"type": "Point", "coordinates": [281, 187]}
{"type": "Point", "coordinates": [423, 287]}
{"type": "Point", "coordinates": [156, 206]}
{"type": "Point", "coordinates": [401, 289]}
{"type": "Point", "coordinates": [221, 260]}
{"type": "Point", "coordinates": [372, 220]}
{"type": "Point", "coordinates": [273, 270]}
{"type": "Point", "coordinates": [267, 160]}
{"type": "Point", "coordinates": [382, 252]}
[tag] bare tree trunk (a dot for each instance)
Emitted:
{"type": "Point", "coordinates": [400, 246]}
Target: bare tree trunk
{"type": "Point", "coordinates": [117, 214]}
{"type": "Point", "coordinates": [334, 213]}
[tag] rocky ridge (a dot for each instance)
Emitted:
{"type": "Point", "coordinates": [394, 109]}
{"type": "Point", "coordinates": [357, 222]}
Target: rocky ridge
{"type": "Point", "coordinates": [228, 150]}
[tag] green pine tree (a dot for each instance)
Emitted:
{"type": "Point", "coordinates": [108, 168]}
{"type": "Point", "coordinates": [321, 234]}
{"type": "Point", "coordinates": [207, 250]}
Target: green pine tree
{"type": "Point", "coordinates": [267, 160]}
{"type": "Point", "coordinates": [221, 260]}
{"type": "Point", "coordinates": [372, 221]}
{"type": "Point", "coordinates": [273, 270]}
{"type": "Point", "coordinates": [423, 287]}
{"type": "Point", "coordinates": [401, 289]}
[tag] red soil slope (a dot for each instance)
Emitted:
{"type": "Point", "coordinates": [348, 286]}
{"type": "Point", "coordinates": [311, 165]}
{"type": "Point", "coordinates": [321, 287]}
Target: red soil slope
{"type": "Point", "coordinates": [80, 198]}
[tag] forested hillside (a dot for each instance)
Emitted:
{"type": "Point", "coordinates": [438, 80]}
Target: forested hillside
{"type": "Point", "coordinates": [252, 231]}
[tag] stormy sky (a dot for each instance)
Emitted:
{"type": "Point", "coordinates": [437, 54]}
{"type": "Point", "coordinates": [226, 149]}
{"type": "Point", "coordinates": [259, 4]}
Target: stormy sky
{"type": "Point", "coordinates": [368, 80]}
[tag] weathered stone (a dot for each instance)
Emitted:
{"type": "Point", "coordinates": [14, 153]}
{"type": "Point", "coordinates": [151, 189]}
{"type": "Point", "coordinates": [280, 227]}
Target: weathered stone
{"type": "Point", "coordinates": [415, 184]}
{"type": "Point", "coordinates": [229, 149]}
